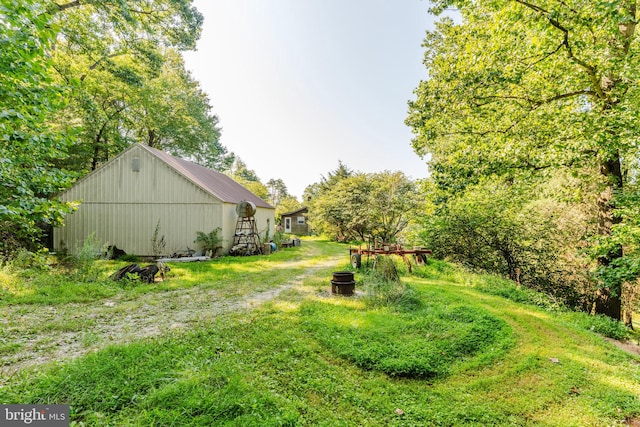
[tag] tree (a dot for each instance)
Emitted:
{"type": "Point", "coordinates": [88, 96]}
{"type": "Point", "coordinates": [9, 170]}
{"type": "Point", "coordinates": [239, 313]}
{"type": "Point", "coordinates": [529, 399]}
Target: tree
{"type": "Point", "coordinates": [129, 81]}
{"type": "Point", "coordinates": [248, 178]}
{"type": "Point", "coordinates": [536, 86]}
{"type": "Point", "coordinates": [277, 191]}
{"type": "Point", "coordinates": [170, 112]}
{"type": "Point", "coordinates": [28, 145]}
{"type": "Point", "coordinates": [394, 202]}
{"type": "Point", "coordinates": [358, 206]}
{"type": "Point", "coordinates": [335, 176]}
{"type": "Point", "coordinates": [287, 204]}
{"type": "Point", "coordinates": [341, 210]}
{"type": "Point", "coordinates": [497, 227]}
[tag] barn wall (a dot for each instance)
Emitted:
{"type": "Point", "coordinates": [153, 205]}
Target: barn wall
{"type": "Point", "coordinates": [122, 207]}
{"type": "Point", "coordinates": [265, 220]}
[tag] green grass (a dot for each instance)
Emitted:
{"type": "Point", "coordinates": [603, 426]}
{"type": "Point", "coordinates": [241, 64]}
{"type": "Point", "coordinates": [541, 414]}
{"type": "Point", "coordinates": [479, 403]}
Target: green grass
{"type": "Point", "coordinates": [230, 275]}
{"type": "Point", "coordinates": [426, 343]}
{"type": "Point", "coordinates": [461, 357]}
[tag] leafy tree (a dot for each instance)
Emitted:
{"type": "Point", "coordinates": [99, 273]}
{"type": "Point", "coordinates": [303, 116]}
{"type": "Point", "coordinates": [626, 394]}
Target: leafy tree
{"type": "Point", "coordinates": [129, 81]}
{"type": "Point", "coordinates": [533, 85]}
{"type": "Point", "coordinates": [341, 210]}
{"type": "Point", "coordinates": [28, 146]}
{"type": "Point", "coordinates": [181, 123]}
{"type": "Point", "coordinates": [248, 178]}
{"type": "Point", "coordinates": [394, 202]}
{"type": "Point", "coordinates": [358, 206]}
{"type": "Point", "coordinates": [277, 191]}
{"type": "Point", "coordinates": [287, 204]}
{"type": "Point", "coordinates": [498, 227]}
{"type": "Point", "coordinates": [335, 176]}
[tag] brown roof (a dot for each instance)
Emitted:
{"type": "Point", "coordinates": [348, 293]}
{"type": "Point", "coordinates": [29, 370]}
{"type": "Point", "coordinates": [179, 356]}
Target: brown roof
{"type": "Point", "coordinates": [215, 183]}
{"type": "Point", "coordinates": [297, 211]}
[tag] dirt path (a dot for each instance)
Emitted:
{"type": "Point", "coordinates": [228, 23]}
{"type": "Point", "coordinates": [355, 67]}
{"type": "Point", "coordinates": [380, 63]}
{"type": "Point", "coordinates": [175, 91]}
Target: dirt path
{"type": "Point", "coordinates": [58, 333]}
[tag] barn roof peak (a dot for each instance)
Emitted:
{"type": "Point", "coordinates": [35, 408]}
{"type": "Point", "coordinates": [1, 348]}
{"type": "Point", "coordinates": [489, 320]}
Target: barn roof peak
{"type": "Point", "coordinates": [215, 183]}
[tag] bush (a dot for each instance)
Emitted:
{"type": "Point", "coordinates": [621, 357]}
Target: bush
{"type": "Point", "coordinates": [396, 294]}
{"type": "Point", "coordinates": [210, 242]}
{"type": "Point", "coordinates": [84, 259]}
{"type": "Point", "coordinates": [599, 324]}
{"type": "Point", "coordinates": [383, 288]}
{"type": "Point", "coordinates": [25, 261]}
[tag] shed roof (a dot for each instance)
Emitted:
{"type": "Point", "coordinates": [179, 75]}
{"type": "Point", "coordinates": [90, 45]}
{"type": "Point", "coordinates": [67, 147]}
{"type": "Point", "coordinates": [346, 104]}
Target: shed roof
{"type": "Point", "coordinates": [297, 211]}
{"type": "Point", "coordinates": [215, 183]}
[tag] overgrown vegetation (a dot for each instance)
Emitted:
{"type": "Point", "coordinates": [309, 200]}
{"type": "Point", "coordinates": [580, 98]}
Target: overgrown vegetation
{"type": "Point", "coordinates": [422, 343]}
{"type": "Point", "coordinates": [532, 144]}
{"type": "Point", "coordinates": [462, 356]}
{"type": "Point", "coordinates": [210, 242]}
{"type": "Point", "coordinates": [348, 205]}
{"type": "Point", "coordinates": [87, 278]}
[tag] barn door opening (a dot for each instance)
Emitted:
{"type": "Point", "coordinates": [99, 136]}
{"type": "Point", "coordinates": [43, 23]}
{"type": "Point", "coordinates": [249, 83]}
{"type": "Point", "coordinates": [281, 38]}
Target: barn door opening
{"type": "Point", "coordinates": [287, 225]}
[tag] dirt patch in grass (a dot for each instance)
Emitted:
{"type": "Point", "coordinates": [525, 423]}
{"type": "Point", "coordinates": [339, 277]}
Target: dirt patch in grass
{"type": "Point", "coordinates": [34, 334]}
{"type": "Point", "coordinates": [633, 422]}
{"type": "Point", "coordinates": [629, 347]}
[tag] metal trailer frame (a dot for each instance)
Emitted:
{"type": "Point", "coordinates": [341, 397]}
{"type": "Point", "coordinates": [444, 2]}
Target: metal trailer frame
{"type": "Point", "coordinates": [355, 254]}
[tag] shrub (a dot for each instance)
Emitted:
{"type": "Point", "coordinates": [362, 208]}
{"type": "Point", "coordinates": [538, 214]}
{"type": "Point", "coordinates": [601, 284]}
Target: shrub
{"type": "Point", "coordinates": [210, 242]}
{"type": "Point", "coordinates": [599, 324]}
{"type": "Point", "coordinates": [83, 260]}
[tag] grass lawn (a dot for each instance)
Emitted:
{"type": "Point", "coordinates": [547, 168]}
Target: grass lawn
{"type": "Point", "coordinates": [441, 349]}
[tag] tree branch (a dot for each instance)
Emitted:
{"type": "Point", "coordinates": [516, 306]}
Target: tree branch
{"type": "Point", "coordinates": [69, 5]}
{"type": "Point", "coordinates": [591, 71]}
{"type": "Point", "coordinates": [95, 64]}
{"type": "Point", "coordinates": [534, 102]}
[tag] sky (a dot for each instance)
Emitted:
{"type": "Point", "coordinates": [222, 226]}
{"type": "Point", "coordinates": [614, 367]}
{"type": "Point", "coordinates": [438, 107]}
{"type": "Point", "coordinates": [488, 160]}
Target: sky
{"type": "Point", "coordinates": [301, 85]}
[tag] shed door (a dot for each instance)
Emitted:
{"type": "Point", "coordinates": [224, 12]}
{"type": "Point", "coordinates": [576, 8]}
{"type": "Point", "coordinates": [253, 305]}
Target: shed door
{"type": "Point", "coordinates": [287, 225]}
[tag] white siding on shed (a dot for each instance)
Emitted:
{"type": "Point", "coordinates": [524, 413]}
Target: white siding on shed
{"type": "Point", "coordinates": [122, 207]}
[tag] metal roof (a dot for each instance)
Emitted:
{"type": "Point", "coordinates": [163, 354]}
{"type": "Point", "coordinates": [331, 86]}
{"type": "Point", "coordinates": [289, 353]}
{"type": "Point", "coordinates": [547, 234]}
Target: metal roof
{"type": "Point", "coordinates": [297, 211]}
{"type": "Point", "coordinates": [215, 183]}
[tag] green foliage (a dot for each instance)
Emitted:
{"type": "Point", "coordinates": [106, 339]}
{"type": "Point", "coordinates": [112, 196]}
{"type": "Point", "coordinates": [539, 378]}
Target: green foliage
{"type": "Point", "coordinates": [281, 364]}
{"type": "Point", "coordinates": [158, 243]}
{"type": "Point", "coordinates": [210, 242]}
{"type": "Point", "coordinates": [624, 234]}
{"type": "Point", "coordinates": [84, 259]}
{"type": "Point", "coordinates": [277, 191]}
{"type": "Point", "coordinates": [431, 342]}
{"type": "Point", "coordinates": [519, 90]}
{"type": "Point", "coordinates": [115, 95]}
{"type": "Point", "coordinates": [85, 277]}
{"type": "Point", "coordinates": [497, 228]}
{"type": "Point", "coordinates": [358, 206]}
{"type": "Point", "coordinates": [25, 262]}
{"type": "Point", "coordinates": [386, 268]}
{"type": "Point", "coordinates": [599, 324]}
{"type": "Point", "coordinates": [286, 204]}
{"type": "Point", "coordinates": [507, 289]}
{"type": "Point", "coordinates": [248, 178]}
{"type": "Point", "coordinates": [28, 145]}
{"type": "Point", "coordinates": [395, 294]}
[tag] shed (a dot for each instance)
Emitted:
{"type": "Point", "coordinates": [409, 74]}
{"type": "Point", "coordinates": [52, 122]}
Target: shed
{"type": "Point", "coordinates": [295, 222]}
{"type": "Point", "coordinates": [123, 202]}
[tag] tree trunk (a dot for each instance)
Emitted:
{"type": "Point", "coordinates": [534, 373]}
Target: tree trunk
{"type": "Point", "coordinates": [609, 299]}
{"type": "Point", "coordinates": [151, 140]}
{"type": "Point", "coordinates": [628, 319]}
{"type": "Point", "coordinates": [94, 159]}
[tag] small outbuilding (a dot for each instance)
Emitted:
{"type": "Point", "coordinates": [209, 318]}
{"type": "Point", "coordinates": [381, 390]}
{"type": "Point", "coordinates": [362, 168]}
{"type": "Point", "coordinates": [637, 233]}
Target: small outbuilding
{"type": "Point", "coordinates": [149, 203]}
{"type": "Point", "coordinates": [295, 222]}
